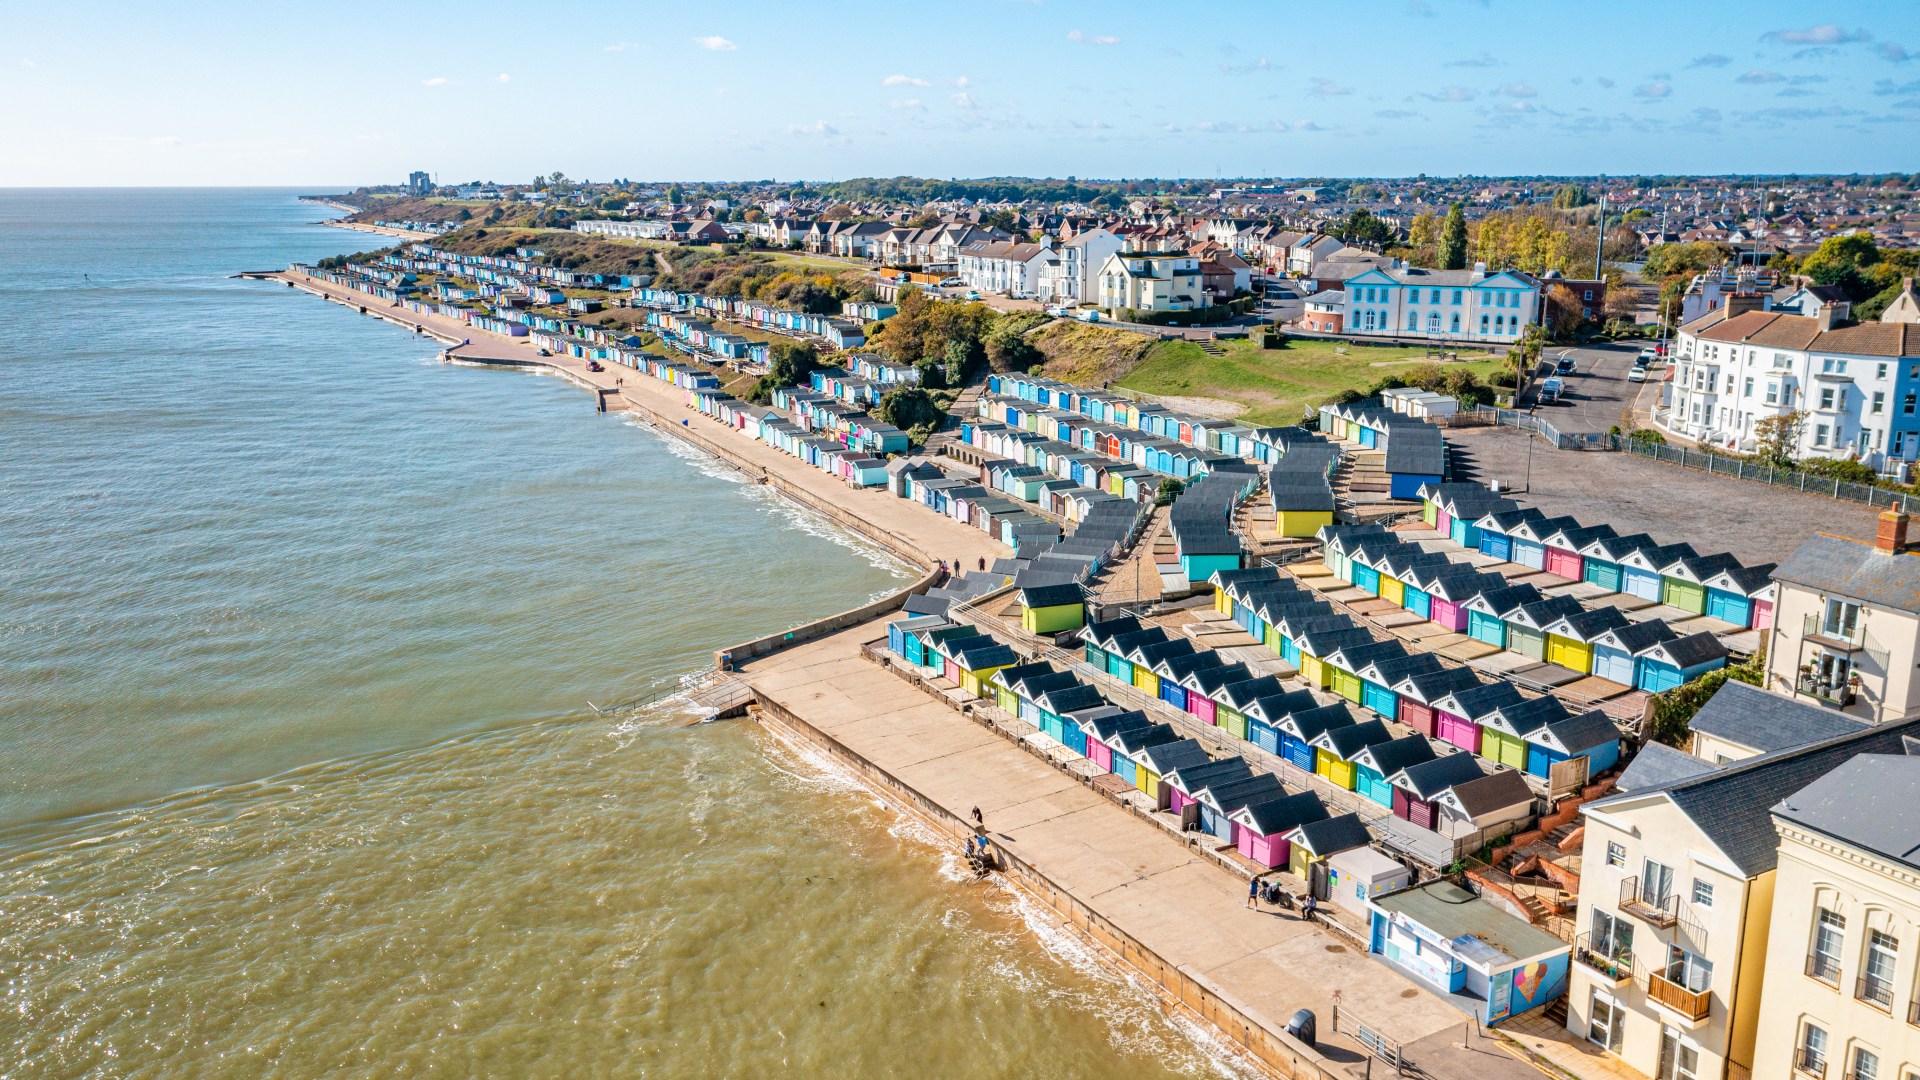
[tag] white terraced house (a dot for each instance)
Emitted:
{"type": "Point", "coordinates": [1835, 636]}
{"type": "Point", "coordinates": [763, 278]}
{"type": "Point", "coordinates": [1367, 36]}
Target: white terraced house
{"type": "Point", "coordinates": [1857, 387]}
{"type": "Point", "coordinates": [1008, 269]}
{"type": "Point", "coordinates": [1454, 305]}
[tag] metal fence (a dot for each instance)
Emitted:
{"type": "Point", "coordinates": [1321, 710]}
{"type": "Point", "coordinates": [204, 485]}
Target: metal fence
{"type": "Point", "coordinates": [1514, 418]}
{"type": "Point", "coordinates": [1746, 470]}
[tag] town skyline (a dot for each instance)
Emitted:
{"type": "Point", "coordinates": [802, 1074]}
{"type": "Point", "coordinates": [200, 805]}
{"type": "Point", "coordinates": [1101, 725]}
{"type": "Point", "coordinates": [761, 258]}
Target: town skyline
{"type": "Point", "coordinates": [227, 96]}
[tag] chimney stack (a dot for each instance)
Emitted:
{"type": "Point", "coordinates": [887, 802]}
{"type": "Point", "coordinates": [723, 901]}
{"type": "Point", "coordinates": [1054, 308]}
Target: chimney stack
{"type": "Point", "coordinates": [1892, 536]}
{"type": "Point", "coordinates": [1739, 303]}
{"type": "Point", "coordinates": [1824, 317]}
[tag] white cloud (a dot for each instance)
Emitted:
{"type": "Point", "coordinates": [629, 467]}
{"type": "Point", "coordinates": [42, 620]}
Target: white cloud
{"type": "Point", "coordinates": [1092, 39]}
{"type": "Point", "coordinates": [1755, 78]}
{"type": "Point", "coordinates": [1824, 34]}
{"type": "Point", "coordinates": [437, 80]}
{"type": "Point", "coordinates": [818, 127]}
{"type": "Point", "coordinates": [503, 77]}
{"type": "Point", "coordinates": [1307, 125]}
{"type": "Point", "coordinates": [1658, 88]}
{"type": "Point", "coordinates": [24, 62]}
{"type": "Point", "coordinates": [1605, 82]}
{"type": "Point", "coordinates": [620, 46]}
{"type": "Point", "coordinates": [1451, 93]}
{"type": "Point", "coordinates": [167, 140]}
{"type": "Point", "coordinates": [904, 80]}
{"type": "Point", "coordinates": [1324, 87]}
{"type": "Point", "coordinates": [963, 99]}
{"type": "Point", "coordinates": [912, 103]}
{"type": "Point", "coordinates": [1710, 60]}
{"type": "Point", "coordinates": [715, 43]}
{"type": "Point", "coordinates": [1518, 90]}
{"type": "Point", "coordinates": [963, 81]}
{"type": "Point", "coordinates": [1889, 51]}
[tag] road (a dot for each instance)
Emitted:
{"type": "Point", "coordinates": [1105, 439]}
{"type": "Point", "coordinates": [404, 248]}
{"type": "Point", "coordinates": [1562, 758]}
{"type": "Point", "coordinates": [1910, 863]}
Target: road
{"type": "Point", "coordinates": [1598, 395]}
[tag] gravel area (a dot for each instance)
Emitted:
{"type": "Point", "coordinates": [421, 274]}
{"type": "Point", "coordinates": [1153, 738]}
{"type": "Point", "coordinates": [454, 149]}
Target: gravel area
{"type": "Point", "coordinates": [1756, 522]}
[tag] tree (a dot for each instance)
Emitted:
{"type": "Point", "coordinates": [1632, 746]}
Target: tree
{"type": "Point", "coordinates": [1453, 239]}
{"type": "Point", "coordinates": [1623, 303]}
{"type": "Point", "coordinates": [1169, 490]}
{"type": "Point", "coordinates": [1778, 438]}
{"type": "Point", "coordinates": [960, 357]}
{"type": "Point", "coordinates": [755, 215]}
{"type": "Point", "coordinates": [1423, 240]}
{"type": "Point", "coordinates": [1845, 261]}
{"type": "Point", "coordinates": [1004, 220]}
{"type": "Point", "coordinates": [675, 195]}
{"type": "Point", "coordinates": [1361, 227]}
{"type": "Point", "coordinates": [1571, 196]}
{"type": "Point", "coordinates": [1564, 313]}
{"type": "Point", "coordinates": [1008, 349]}
{"type": "Point", "coordinates": [789, 364]}
{"type": "Point", "coordinates": [911, 409]}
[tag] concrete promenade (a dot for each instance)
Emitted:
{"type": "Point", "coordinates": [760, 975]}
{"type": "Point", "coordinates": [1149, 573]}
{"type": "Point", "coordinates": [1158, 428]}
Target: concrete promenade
{"type": "Point", "coordinates": [1185, 914]}
{"type": "Point", "coordinates": [909, 530]}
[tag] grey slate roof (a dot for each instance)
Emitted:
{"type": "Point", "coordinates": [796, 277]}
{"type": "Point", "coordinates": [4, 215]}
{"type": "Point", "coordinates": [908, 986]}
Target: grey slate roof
{"type": "Point", "coordinates": [1502, 788]}
{"type": "Point", "coordinates": [1855, 568]}
{"type": "Point", "coordinates": [1730, 805]}
{"type": "Point", "coordinates": [1749, 716]}
{"type": "Point", "coordinates": [1429, 778]}
{"type": "Point", "coordinates": [1330, 836]}
{"type": "Point", "coordinates": [1658, 765]}
{"type": "Point", "coordinates": [1279, 815]}
{"type": "Point", "coordinates": [1871, 802]}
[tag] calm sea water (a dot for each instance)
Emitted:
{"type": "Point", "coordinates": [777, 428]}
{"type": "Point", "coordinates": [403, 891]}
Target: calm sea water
{"type": "Point", "coordinates": [298, 775]}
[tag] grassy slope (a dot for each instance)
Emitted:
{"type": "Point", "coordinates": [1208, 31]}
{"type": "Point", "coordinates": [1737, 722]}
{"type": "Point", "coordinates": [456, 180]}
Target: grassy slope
{"type": "Point", "coordinates": [1272, 385]}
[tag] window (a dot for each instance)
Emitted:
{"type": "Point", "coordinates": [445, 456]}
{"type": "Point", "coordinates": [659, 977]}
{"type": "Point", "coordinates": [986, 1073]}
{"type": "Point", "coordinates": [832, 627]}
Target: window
{"type": "Point", "coordinates": [1587, 294]}
{"type": "Point", "coordinates": [1483, 329]}
{"type": "Point", "coordinates": [1688, 970]}
{"type": "Point", "coordinates": [1829, 937]}
{"type": "Point", "coordinates": [1656, 883]}
{"type": "Point", "coordinates": [1703, 892]}
{"type": "Point", "coordinates": [1616, 855]}
{"type": "Point", "coordinates": [1866, 1065]}
{"type": "Point", "coordinates": [1812, 1055]}
{"type": "Point", "coordinates": [1456, 299]}
{"type": "Point", "coordinates": [1746, 390]}
{"type": "Point", "coordinates": [1879, 402]}
{"type": "Point", "coordinates": [1841, 619]}
{"type": "Point", "coordinates": [1679, 1059]}
{"type": "Point", "coordinates": [1820, 433]}
{"type": "Point", "coordinates": [1906, 404]}
{"type": "Point", "coordinates": [1612, 935]}
{"type": "Point", "coordinates": [1456, 323]}
{"type": "Point", "coordinates": [1880, 371]}
{"type": "Point", "coordinates": [1826, 399]}
{"type": "Point", "coordinates": [1876, 985]}
{"type": "Point", "coordinates": [1434, 296]}
{"type": "Point", "coordinates": [1773, 393]}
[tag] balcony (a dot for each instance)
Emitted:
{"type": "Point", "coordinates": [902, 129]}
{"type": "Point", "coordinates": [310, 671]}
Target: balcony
{"type": "Point", "coordinates": [1810, 1062]}
{"type": "Point", "coordinates": [1841, 637]}
{"type": "Point", "coordinates": [1874, 991]}
{"type": "Point", "coordinates": [1913, 1012]}
{"type": "Point", "coordinates": [1824, 968]}
{"type": "Point", "coordinates": [1690, 1004]}
{"type": "Point", "coordinates": [1602, 958]}
{"type": "Point", "coordinates": [1642, 903]}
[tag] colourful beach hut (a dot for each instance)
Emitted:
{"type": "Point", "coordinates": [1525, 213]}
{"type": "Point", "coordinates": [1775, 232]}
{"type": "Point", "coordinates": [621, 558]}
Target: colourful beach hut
{"type": "Point", "coordinates": [1449, 590]}
{"type": "Point", "coordinates": [1095, 638]}
{"type": "Point", "coordinates": [1316, 841]}
{"type": "Point", "coordinates": [1418, 692]}
{"type": "Point", "coordinates": [1334, 750]}
{"type": "Point", "coordinates": [1527, 625]}
{"type": "Point", "coordinates": [1504, 731]}
{"type": "Point", "coordinates": [1346, 662]}
{"type": "Point", "coordinates": [1590, 735]}
{"type": "Point", "coordinates": [1379, 676]}
{"type": "Point", "coordinates": [1640, 570]}
{"type": "Point", "coordinates": [1266, 713]}
{"type": "Point", "coordinates": [1616, 652]}
{"type": "Point", "coordinates": [1677, 661]}
{"type": "Point", "coordinates": [1264, 826]}
{"type": "Point", "coordinates": [1684, 580]}
{"type": "Point", "coordinates": [1458, 716]}
{"type": "Point", "coordinates": [1373, 764]}
{"type": "Point", "coordinates": [1600, 558]}
{"type": "Point", "coordinates": [1570, 638]}
{"type": "Point", "coordinates": [1416, 787]}
{"type": "Point", "coordinates": [903, 639]}
{"type": "Point", "coordinates": [1052, 609]}
{"type": "Point", "coordinates": [1218, 800]}
{"type": "Point", "coordinates": [1232, 700]}
{"type": "Point", "coordinates": [1002, 684]}
{"type": "Point", "coordinates": [1495, 529]}
{"type": "Point", "coordinates": [1159, 759]}
{"type": "Point", "coordinates": [1735, 593]}
{"type": "Point", "coordinates": [1487, 613]}
{"type": "Point", "coordinates": [1564, 545]}
{"type": "Point", "coordinates": [1184, 784]}
{"type": "Point", "coordinates": [1299, 730]}
{"type": "Point", "coordinates": [1203, 684]}
{"type": "Point", "coordinates": [1529, 540]}
{"type": "Point", "coordinates": [1102, 727]}
{"type": "Point", "coordinates": [1316, 644]}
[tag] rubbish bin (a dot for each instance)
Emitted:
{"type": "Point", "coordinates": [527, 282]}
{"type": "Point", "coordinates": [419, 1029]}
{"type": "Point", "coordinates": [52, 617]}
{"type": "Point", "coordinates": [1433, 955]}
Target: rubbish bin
{"type": "Point", "coordinates": [1303, 1026]}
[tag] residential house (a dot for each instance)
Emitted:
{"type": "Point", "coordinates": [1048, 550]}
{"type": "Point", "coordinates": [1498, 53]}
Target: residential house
{"type": "Point", "coordinates": [1468, 305]}
{"type": "Point", "coordinates": [1151, 281]}
{"type": "Point", "coordinates": [1005, 268]}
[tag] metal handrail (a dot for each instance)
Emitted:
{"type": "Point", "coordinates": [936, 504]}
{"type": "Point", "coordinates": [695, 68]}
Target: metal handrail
{"type": "Point", "coordinates": [1824, 968]}
{"type": "Point", "coordinates": [1874, 990]}
{"type": "Point", "coordinates": [1616, 963]}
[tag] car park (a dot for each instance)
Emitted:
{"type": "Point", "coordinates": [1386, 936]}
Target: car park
{"type": "Point", "coordinates": [1638, 374]}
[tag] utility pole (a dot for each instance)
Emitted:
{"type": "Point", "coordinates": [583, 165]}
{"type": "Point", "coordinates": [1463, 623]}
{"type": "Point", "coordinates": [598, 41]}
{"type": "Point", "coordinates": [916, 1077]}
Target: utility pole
{"type": "Point", "coordinates": [1600, 235]}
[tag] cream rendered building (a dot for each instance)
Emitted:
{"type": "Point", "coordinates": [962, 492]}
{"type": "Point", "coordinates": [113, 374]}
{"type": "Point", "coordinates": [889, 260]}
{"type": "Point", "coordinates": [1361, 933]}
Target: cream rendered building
{"type": "Point", "coordinates": [1839, 1001]}
{"type": "Point", "coordinates": [1846, 624]}
{"type": "Point", "coordinates": [1676, 893]}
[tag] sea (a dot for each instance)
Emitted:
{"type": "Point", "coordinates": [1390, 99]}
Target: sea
{"type": "Point", "coordinates": [339, 731]}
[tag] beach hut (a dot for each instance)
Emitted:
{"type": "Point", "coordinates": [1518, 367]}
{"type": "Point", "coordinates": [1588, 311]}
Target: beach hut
{"type": "Point", "coordinates": [1264, 826]}
{"type": "Point", "coordinates": [1640, 570]}
{"type": "Point", "coordinates": [1449, 590]}
{"type": "Point", "coordinates": [1095, 637]}
{"type": "Point", "coordinates": [1265, 713]}
{"type": "Point", "coordinates": [1590, 735]}
{"type": "Point", "coordinates": [1504, 731]}
{"type": "Point", "coordinates": [1379, 676]}
{"type": "Point", "coordinates": [1416, 693]}
{"type": "Point", "coordinates": [1529, 539]}
{"type": "Point", "coordinates": [1600, 558]}
{"type": "Point", "coordinates": [1102, 726]}
{"type": "Point", "coordinates": [1186, 782]}
{"type": "Point", "coordinates": [1345, 663]}
{"type": "Point", "coordinates": [1084, 743]}
{"type": "Point", "coordinates": [1203, 693]}
{"type": "Point", "coordinates": [977, 662]}
{"type": "Point", "coordinates": [1318, 643]}
{"type": "Point", "coordinates": [903, 636]}
{"type": "Point", "coordinates": [1335, 748]}
{"type": "Point", "coordinates": [1527, 625]}
{"type": "Point", "coordinates": [1488, 612]}
{"type": "Point", "coordinates": [1499, 802]}
{"type": "Point", "coordinates": [1564, 545]}
{"type": "Point", "coordinates": [1570, 638]}
{"type": "Point", "coordinates": [1458, 716]}
{"type": "Point", "coordinates": [1464, 946]}
{"type": "Point", "coordinates": [1683, 582]}
{"type": "Point", "coordinates": [1232, 700]}
{"type": "Point", "coordinates": [1734, 593]}
{"type": "Point", "coordinates": [1219, 799]}
{"type": "Point", "coordinates": [1159, 759]}
{"type": "Point", "coordinates": [1676, 661]}
{"type": "Point", "coordinates": [1374, 763]}
{"type": "Point", "coordinates": [947, 649]}
{"type": "Point", "coordinates": [1416, 787]}
{"type": "Point", "coordinates": [1616, 650]}
{"type": "Point", "coordinates": [1494, 530]}
{"type": "Point", "coordinates": [1176, 668]}
{"type": "Point", "coordinates": [1299, 730]}
{"type": "Point", "coordinates": [1057, 703]}
{"type": "Point", "coordinates": [1051, 609]}
{"type": "Point", "coordinates": [1311, 843]}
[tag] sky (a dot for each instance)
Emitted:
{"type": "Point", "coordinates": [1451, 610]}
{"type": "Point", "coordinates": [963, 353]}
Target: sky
{"type": "Point", "coordinates": [215, 93]}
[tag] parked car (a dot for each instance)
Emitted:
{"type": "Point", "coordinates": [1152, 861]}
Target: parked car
{"type": "Point", "coordinates": [973, 294]}
{"type": "Point", "coordinates": [1564, 367]}
{"type": "Point", "coordinates": [953, 283]}
{"type": "Point", "coordinates": [1647, 356]}
{"type": "Point", "coordinates": [1638, 374]}
{"type": "Point", "coordinates": [1550, 391]}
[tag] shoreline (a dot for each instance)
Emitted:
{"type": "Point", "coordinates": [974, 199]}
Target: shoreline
{"type": "Point", "coordinates": [380, 230]}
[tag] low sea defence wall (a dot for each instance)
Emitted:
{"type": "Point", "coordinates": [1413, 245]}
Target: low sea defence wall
{"type": "Point", "coordinates": [1279, 1052]}
{"type": "Point", "coordinates": [736, 655]}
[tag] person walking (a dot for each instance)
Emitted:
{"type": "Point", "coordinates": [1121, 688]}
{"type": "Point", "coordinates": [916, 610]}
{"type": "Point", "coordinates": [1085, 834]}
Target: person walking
{"type": "Point", "coordinates": [1253, 894]}
{"type": "Point", "coordinates": [978, 820]}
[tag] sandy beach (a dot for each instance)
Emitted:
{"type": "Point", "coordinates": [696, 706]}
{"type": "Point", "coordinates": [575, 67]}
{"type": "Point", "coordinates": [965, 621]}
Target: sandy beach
{"type": "Point", "coordinates": [383, 230]}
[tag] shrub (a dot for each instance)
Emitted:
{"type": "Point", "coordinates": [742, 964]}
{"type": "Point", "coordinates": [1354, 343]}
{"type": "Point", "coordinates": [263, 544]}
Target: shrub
{"type": "Point", "coordinates": [1170, 490]}
{"type": "Point", "coordinates": [1840, 469]}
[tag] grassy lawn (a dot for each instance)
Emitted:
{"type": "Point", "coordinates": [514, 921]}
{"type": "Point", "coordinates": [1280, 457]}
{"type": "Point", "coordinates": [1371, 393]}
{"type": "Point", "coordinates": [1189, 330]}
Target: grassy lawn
{"type": "Point", "coordinates": [1272, 386]}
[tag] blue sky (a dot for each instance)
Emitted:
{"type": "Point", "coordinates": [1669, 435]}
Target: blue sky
{"type": "Point", "coordinates": [217, 93]}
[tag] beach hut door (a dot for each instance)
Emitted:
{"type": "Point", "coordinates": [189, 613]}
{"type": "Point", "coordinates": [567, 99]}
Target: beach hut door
{"type": "Point", "coordinates": [1190, 816]}
{"type": "Point", "coordinates": [1317, 879]}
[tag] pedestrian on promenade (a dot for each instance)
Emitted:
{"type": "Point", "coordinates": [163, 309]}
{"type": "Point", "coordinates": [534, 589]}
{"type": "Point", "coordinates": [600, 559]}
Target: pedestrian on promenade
{"type": "Point", "coordinates": [983, 562]}
{"type": "Point", "coordinates": [1308, 905]}
{"type": "Point", "coordinates": [1253, 894]}
{"type": "Point", "coordinates": [978, 820]}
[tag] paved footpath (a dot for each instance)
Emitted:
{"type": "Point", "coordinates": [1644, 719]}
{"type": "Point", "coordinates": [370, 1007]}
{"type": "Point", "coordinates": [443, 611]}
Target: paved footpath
{"type": "Point", "coordinates": [1188, 911]}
